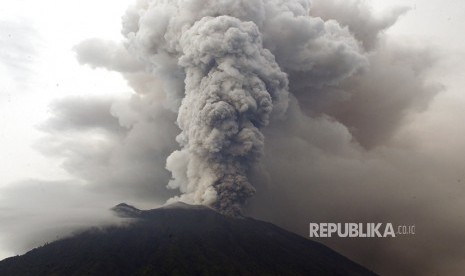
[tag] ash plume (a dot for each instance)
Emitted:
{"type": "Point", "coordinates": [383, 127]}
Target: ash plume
{"type": "Point", "coordinates": [232, 86]}
{"type": "Point", "coordinates": [228, 55]}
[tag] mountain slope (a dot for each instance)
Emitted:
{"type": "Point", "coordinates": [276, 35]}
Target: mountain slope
{"type": "Point", "coordinates": [183, 240]}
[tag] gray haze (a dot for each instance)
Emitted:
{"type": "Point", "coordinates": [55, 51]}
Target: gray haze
{"type": "Point", "coordinates": [364, 134]}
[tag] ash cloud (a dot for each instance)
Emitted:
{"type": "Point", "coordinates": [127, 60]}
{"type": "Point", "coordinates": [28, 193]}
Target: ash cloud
{"type": "Point", "coordinates": [363, 137]}
{"type": "Point", "coordinates": [374, 103]}
{"type": "Point", "coordinates": [358, 16]}
{"type": "Point", "coordinates": [107, 54]}
{"type": "Point", "coordinates": [232, 54]}
{"type": "Point", "coordinates": [116, 144]}
{"type": "Point", "coordinates": [232, 86]}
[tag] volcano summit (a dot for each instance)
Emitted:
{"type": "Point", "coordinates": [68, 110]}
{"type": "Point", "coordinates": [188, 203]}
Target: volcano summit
{"type": "Point", "coordinates": [182, 239]}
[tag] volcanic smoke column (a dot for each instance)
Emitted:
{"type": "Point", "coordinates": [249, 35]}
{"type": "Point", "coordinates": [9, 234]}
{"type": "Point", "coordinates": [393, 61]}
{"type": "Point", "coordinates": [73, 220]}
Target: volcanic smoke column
{"type": "Point", "coordinates": [232, 86]}
{"type": "Point", "coordinates": [217, 62]}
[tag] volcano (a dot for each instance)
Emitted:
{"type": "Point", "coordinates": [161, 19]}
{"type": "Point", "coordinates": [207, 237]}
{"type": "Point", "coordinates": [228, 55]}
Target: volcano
{"type": "Point", "coordinates": [182, 239]}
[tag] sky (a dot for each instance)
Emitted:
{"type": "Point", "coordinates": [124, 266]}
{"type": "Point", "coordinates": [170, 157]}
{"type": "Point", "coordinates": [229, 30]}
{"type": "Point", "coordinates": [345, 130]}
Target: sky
{"type": "Point", "coordinates": [55, 138]}
{"type": "Point", "coordinates": [39, 65]}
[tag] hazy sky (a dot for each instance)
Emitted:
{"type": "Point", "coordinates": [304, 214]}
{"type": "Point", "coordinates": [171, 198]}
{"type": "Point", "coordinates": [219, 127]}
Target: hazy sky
{"type": "Point", "coordinates": [38, 65]}
{"type": "Point", "coordinates": [43, 89]}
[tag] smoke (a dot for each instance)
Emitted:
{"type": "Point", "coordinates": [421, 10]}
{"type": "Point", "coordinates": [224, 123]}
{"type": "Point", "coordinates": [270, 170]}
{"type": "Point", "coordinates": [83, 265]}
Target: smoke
{"type": "Point", "coordinates": [359, 18]}
{"type": "Point", "coordinates": [228, 53]}
{"type": "Point", "coordinates": [309, 106]}
{"type": "Point", "coordinates": [232, 86]}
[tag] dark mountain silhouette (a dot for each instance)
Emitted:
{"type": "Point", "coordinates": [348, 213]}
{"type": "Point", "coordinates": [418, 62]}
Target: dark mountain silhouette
{"type": "Point", "coordinates": [181, 239]}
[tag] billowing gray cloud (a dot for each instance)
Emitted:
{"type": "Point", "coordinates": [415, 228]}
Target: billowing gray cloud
{"type": "Point", "coordinates": [82, 114]}
{"type": "Point", "coordinates": [242, 50]}
{"type": "Point", "coordinates": [374, 103]}
{"type": "Point", "coordinates": [117, 144]}
{"type": "Point", "coordinates": [232, 86]}
{"type": "Point", "coordinates": [107, 54]}
{"type": "Point", "coordinates": [358, 17]}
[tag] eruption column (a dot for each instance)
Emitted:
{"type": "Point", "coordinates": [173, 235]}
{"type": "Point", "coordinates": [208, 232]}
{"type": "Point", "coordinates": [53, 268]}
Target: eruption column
{"type": "Point", "coordinates": [232, 85]}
